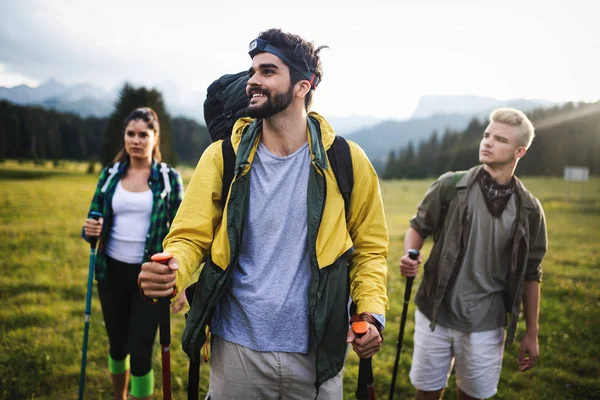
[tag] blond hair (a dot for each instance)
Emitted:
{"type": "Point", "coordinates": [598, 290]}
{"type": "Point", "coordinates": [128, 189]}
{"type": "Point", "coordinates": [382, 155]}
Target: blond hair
{"type": "Point", "coordinates": [514, 117]}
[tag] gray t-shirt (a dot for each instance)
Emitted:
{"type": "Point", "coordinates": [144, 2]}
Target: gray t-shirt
{"type": "Point", "coordinates": [474, 299]}
{"type": "Point", "coordinates": [266, 307]}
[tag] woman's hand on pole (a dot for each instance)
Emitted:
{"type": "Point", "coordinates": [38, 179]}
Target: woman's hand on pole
{"type": "Point", "coordinates": [92, 227]}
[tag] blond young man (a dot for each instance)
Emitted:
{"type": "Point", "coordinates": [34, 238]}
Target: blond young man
{"type": "Point", "coordinates": [489, 242]}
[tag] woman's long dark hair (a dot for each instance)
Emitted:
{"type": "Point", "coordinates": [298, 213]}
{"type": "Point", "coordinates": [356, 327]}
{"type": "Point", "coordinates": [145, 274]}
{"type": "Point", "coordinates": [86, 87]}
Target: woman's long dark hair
{"type": "Point", "coordinates": [149, 116]}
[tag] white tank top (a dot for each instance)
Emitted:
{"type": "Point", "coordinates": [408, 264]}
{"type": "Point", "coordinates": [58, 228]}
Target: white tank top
{"type": "Point", "coordinates": [131, 222]}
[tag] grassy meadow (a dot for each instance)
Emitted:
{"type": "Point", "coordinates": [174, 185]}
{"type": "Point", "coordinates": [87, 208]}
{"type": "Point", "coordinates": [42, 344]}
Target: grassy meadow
{"type": "Point", "coordinates": [43, 278]}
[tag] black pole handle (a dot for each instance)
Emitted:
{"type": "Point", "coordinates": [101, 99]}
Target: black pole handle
{"type": "Point", "coordinates": [413, 254]}
{"type": "Point", "coordinates": [365, 386]}
{"type": "Point", "coordinates": [165, 321]}
{"type": "Point", "coordinates": [94, 239]}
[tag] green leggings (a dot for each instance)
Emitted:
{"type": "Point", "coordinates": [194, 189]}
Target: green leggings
{"type": "Point", "coordinates": [141, 386]}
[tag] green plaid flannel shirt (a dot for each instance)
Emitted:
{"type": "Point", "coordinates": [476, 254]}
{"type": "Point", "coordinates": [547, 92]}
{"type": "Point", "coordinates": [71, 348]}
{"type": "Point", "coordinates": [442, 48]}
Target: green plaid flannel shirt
{"type": "Point", "coordinates": [163, 210]}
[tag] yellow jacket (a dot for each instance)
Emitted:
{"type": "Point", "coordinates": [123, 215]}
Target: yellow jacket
{"type": "Point", "coordinates": [197, 233]}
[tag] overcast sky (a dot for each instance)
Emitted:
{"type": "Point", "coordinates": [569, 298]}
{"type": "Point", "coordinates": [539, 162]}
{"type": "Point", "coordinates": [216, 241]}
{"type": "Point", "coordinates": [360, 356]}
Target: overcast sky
{"type": "Point", "coordinates": [383, 55]}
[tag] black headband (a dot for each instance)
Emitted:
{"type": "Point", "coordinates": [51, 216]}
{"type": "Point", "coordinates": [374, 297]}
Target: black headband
{"type": "Point", "coordinates": [258, 46]}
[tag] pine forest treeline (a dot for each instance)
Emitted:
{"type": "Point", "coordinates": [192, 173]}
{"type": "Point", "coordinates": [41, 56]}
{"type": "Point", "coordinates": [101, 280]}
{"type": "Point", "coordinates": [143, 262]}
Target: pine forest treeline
{"type": "Point", "coordinates": [39, 134]}
{"type": "Point", "coordinates": [565, 136]}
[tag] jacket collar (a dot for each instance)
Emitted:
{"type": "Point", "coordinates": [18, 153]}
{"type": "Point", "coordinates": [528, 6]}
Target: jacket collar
{"type": "Point", "coordinates": [469, 178]}
{"type": "Point", "coordinates": [319, 133]}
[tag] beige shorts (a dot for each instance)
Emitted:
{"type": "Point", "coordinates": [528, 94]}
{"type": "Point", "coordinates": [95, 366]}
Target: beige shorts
{"type": "Point", "coordinates": [237, 372]}
{"type": "Point", "coordinates": [477, 358]}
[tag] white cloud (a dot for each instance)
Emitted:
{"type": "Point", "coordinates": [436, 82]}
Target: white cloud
{"type": "Point", "coordinates": [10, 79]}
{"type": "Point", "coordinates": [383, 55]}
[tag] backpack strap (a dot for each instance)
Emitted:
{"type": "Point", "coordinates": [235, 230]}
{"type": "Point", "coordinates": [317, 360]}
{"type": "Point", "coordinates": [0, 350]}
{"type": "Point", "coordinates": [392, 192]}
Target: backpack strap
{"type": "Point", "coordinates": [228, 169]}
{"type": "Point", "coordinates": [194, 378]}
{"type": "Point", "coordinates": [112, 171]}
{"type": "Point", "coordinates": [338, 154]}
{"type": "Point", "coordinates": [164, 169]}
{"type": "Point", "coordinates": [341, 163]}
{"type": "Point", "coordinates": [449, 192]}
{"type": "Point", "coordinates": [230, 162]}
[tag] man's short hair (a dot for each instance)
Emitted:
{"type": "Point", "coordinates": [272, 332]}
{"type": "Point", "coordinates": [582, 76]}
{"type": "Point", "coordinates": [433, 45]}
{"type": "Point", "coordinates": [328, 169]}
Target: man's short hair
{"type": "Point", "coordinates": [514, 117]}
{"type": "Point", "coordinates": [300, 51]}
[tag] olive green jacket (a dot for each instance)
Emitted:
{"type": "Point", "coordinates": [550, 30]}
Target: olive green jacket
{"type": "Point", "coordinates": [528, 248]}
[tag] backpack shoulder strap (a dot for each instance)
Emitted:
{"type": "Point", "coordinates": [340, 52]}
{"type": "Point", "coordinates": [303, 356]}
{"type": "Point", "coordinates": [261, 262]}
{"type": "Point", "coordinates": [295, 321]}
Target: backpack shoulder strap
{"type": "Point", "coordinates": [449, 192]}
{"type": "Point", "coordinates": [164, 169]}
{"type": "Point", "coordinates": [228, 168]}
{"type": "Point", "coordinates": [112, 171]}
{"type": "Point", "coordinates": [341, 162]}
{"type": "Point", "coordinates": [338, 154]}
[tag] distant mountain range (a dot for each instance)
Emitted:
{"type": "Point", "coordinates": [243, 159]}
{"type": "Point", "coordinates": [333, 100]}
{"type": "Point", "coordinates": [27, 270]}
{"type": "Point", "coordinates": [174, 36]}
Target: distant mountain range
{"type": "Point", "coordinates": [387, 136]}
{"type": "Point", "coordinates": [84, 100]}
{"type": "Point", "coordinates": [433, 113]}
{"type": "Point", "coordinates": [432, 105]}
{"type": "Point", "coordinates": [376, 136]}
{"type": "Point", "coordinates": [88, 100]}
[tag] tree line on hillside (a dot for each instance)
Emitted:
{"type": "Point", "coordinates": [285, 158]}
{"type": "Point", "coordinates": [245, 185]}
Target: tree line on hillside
{"type": "Point", "coordinates": [39, 134]}
{"type": "Point", "coordinates": [567, 135]}
{"type": "Point", "coordinates": [564, 136]}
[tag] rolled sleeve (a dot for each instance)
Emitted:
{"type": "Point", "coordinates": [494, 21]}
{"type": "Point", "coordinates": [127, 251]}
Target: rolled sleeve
{"type": "Point", "coordinates": [538, 245]}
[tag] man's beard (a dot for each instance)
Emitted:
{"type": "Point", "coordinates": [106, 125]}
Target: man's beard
{"type": "Point", "coordinates": [272, 106]}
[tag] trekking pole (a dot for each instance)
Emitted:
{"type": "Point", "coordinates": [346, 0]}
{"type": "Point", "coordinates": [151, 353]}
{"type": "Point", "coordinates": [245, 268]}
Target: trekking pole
{"type": "Point", "coordinates": [194, 365]}
{"type": "Point", "coordinates": [165, 332]}
{"type": "Point", "coordinates": [413, 255]}
{"type": "Point", "coordinates": [365, 388]}
{"type": "Point", "coordinates": [88, 305]}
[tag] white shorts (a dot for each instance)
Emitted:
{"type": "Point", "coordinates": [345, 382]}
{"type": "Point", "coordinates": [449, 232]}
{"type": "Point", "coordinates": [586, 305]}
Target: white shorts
{"type": "Point", "coordinates": [477, 357]}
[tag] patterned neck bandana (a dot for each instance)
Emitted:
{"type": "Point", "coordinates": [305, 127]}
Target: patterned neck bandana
{"type": "Point", "coordinates": [496, 196]}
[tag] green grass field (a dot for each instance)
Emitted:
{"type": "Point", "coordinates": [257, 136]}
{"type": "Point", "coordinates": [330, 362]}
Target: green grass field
{"type": "Point", "coordinates": [43, 278]}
